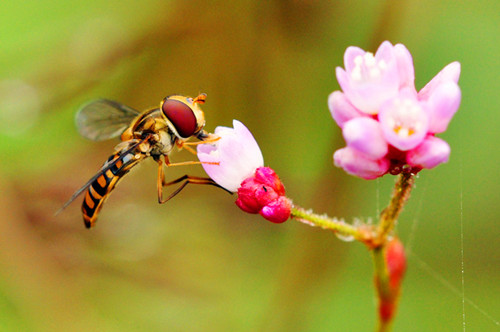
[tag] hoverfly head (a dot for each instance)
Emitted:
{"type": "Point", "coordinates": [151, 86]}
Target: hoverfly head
{"type": "Point", "coordinates": [185, 114]}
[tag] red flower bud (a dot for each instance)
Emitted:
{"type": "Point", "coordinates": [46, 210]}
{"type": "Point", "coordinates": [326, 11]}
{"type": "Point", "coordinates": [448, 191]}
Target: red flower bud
{"type": "Point", "coordinates": [396, 266]}
{"type": "Point", "coordinates": [396, 263]}
{"type": "Point", "coordinates": [265, 194]}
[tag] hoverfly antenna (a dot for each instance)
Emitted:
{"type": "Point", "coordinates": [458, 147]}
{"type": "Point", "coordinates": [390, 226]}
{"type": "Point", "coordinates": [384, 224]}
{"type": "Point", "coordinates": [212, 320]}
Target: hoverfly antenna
{"type": "Point", "coordinates": [200, 99]}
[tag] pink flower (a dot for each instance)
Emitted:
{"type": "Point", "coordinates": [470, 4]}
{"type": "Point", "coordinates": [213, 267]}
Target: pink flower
{"type": "Point", "coordinates": [237, 153]}
{"type": "Point", "coordinates": [404, 122]}
{"type": "Point", "coordinates": [369, 80]}
{"type": "Point", "coordinates": [385, 122]}
{"type": "Point", "coordinates": [240, 169]}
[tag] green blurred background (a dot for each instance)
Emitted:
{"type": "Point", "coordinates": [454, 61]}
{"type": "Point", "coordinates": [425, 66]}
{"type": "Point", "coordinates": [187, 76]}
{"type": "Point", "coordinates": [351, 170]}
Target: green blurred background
{"type": "Point", "coordinates": [197, 263]}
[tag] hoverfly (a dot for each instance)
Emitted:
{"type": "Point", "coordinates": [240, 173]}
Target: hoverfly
{"type": "Point", "coordinates": [152, 133]}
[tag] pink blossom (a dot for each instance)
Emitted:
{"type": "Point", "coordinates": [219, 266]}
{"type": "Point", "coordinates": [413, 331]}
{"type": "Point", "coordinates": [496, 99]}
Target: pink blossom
{"type": "Point", "coordinates": [240, 169]}
{"type": "Point", "coordinates": [385, 122]}
{"type": "Point", "coordinates": [369, 80]}
{"type": "Point", "coordinates": [404, 122]}
{"type": "Point", "coordinates": [237, 153]}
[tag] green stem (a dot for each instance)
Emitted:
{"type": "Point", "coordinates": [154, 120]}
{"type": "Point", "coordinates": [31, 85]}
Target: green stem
{"type": "Point", "coordinates": [381, 274]}
{"type": "Point", "coordinates": [325, 222]}
{"type": "Point", "coordinates": [389, 216]}
{"type": "Point", "coordinates": [384, 293]}
{"type": "Point", "coordinates": [388, 296]}
{"type": "Point", "coordinates": [375, 238]}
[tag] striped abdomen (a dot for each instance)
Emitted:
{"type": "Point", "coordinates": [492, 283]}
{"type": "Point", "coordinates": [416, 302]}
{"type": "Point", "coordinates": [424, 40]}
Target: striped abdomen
{"type": "Point", "coordinates": [99, 190]}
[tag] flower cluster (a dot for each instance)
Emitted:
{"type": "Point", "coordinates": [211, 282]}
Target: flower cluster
{"type": "Point", "coordinates": [386, 123]}
{"type": "Point", "coordinates": [235, 162]}
{"type": "Point", "coordinates": [264, 193]}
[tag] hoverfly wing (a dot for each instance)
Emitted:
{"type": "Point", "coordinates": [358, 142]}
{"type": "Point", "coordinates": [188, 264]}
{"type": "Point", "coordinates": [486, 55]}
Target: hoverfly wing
{"type": "Point", "coordinates": [104, 119]}
{"type": "Point", "coordinates": [107, 165]}
{"type": "Point", "coordinates": [83, 188]}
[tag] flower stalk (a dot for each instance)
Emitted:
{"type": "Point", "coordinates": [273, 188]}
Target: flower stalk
{"type": "Point", "coordinates": [388, 255]}
{"type": "Point", "coordinates": [389, 263]}
{"type": "Point", "coordinates": [323, 221]}
{"type": "Point", "coordinates": [387, 252]}
{"type": "Point", "coordinates": [381, 279]}
{"type": "Point", "coordinates": [390, 214]}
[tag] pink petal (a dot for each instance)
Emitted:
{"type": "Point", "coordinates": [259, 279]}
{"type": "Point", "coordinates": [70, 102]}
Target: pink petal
{"type": "Point", "coordinates": [368, 80]}
{"type": "Point", "coordinates": [268, 177]}
{"type": "Point", "coordinates": [340, 108]}
{"type": "Point", "coordinates": [385, 52]}
{"type": "Point", "coordinates": [237, 153]}
{"type": "Point", "coordinates": [442, 105]}
{"type": "Point", "coordinates": [365, 135]}
{"type": "Point", "coordinates": [355, 163]}
{"type": "Point", "coordinates": [432, 152]}
{"type": "Point", "coordinates": [405, 66]}
{"type": "Point", "coordinates": [369, 97]}
{"type": "Point", "coordinates": [450, 73]}
{"type": "Point", "coordinates": [350, 54]}
{"type": "Point", "coordinates": [343, 79]}
{"type": "Point", "coordinates": [277, 211]}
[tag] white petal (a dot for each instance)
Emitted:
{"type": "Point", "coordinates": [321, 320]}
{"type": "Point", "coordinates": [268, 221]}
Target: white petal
{"type": "Point", "coordinates": [237, 153]}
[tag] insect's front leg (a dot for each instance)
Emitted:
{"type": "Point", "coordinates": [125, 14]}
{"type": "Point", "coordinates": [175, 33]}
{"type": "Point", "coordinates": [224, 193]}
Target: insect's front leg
{"type": "Point", "coordinates": [186, 179]}
{"type": "Point", "coordinates": [205, 139]}
{"type": "Point", "coordinates": [160, 180]}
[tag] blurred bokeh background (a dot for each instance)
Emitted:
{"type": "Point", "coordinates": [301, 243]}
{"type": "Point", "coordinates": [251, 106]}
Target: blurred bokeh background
{"type": "Point", "coordinates": [197, 263]}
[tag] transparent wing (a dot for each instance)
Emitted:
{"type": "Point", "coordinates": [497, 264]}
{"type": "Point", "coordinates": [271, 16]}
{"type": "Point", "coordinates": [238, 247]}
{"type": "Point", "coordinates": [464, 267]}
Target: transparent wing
{"type": "Point", "coordinates": [107, 165]}
{"type": "Point", "coordinates": [103, 119]}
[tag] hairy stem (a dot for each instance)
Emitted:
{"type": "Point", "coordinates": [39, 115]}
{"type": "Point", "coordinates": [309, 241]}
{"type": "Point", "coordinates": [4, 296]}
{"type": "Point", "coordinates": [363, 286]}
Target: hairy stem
{"type": "Point", "coordinates": [325, 222]}
{"type": "Point", "coordinates": [389, 216]}
{"type": "Point", "coordinates": [388, 294]}
{"type": "Point", "coordinates": [376, 238]}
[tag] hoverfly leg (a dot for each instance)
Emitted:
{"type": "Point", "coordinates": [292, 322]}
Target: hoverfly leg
{"type": "Point", "coordinates": [205, 139]}
{"type": "Point", "coordinates": [186, 179]}
{"type": "Point", "coordinates": [191, 162]}
{"type": "Point", "coordinates": [189, 149]}
{"type": "Point", "coordinates": [209, 139]}
{"type": "Point", "coordinates": [160, 181]}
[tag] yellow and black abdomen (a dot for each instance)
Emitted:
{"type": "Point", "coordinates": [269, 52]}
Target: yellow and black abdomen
{"type": "Point", "coordinates": [99, 190]}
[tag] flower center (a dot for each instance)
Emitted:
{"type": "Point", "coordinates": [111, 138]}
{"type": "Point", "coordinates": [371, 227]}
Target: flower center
{"type": "Point", "coordinates": [406, 119]}
{"type": "Point", "coordinates": [366, 67]}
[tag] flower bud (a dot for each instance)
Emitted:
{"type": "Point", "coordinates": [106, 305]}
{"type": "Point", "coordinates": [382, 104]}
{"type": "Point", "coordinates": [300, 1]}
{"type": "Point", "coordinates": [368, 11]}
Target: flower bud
{"type": "Point", "coordinates": [264, 193]}
{"type": "Point", "coordinates": [396, 263]}
{"type": "Point", "coordinates": [395, 260]}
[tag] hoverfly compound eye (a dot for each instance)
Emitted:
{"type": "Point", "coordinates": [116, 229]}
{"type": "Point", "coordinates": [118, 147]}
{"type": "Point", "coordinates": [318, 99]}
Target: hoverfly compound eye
{"type": "Point", "coordinates": [181, 116]}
